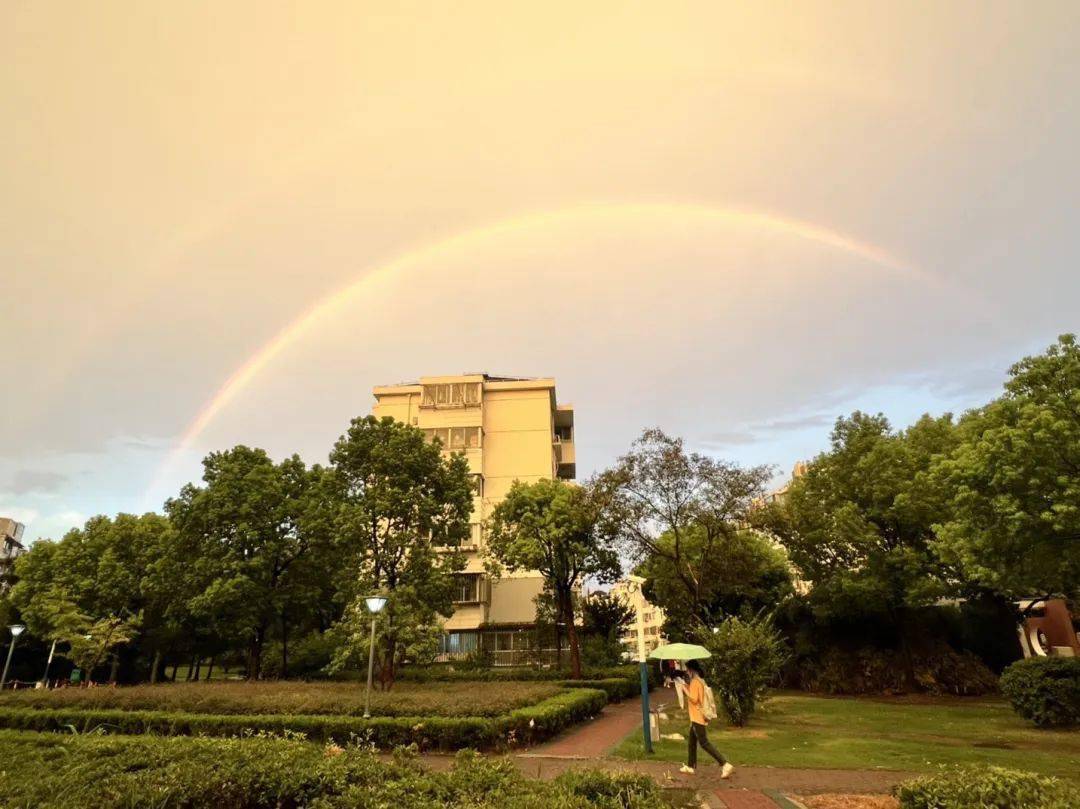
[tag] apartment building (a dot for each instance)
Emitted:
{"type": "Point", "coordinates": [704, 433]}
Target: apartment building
{"type": "Point", "coordinates": [11, 546]}
{"type": "Point", "coordinates": [509, 428]}
{"type": "Point", "coordinates": [647, 616]}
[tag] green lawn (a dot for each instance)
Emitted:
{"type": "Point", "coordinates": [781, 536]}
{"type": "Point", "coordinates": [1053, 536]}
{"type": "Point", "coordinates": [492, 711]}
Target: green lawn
{"type": "Point", "coordinates": [913, 734]}
{"type": "Point", "coordinates": [405, 699]}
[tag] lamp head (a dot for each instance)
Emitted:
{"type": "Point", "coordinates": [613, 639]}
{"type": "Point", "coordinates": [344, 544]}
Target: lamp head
{"type": "Point", "coordinates": [375, 603]}
{"type": "Point", "coordinates": [17, 629]}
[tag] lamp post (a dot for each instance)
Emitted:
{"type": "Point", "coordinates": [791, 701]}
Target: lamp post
{"type": "Point", "coordinates": [16, 630]}
{"type": "Point", "coordinates": [644, 666]}
{"type": "Point", "coordinates": [374, 605]}
{"type": "Point", "coordinates": [48, 663]}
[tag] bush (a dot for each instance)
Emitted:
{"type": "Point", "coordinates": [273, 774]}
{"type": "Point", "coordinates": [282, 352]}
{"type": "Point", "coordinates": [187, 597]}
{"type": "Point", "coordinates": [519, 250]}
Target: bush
{"type": "Point", "coordinates": [938, 670]}
{"type": "Point", "coordinates": [990, 787]}
{"type": "Point", "coordinates": [1045, 690]}
{"type": "Point", "coordinates": [94, 772]}
{"type": "Point", "coordinates": [616, 688]}
{"type": "Point", "coordinates": [747, 655]}
{"type": "Point", "coordinates": [526, 725]}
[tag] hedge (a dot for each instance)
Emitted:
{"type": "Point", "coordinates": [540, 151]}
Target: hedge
{"type": "Point", "coordinates": [101, 772]}
{"type": "Point", "coordinates": [995, 787]}
{"type": "Point", "coordinates": [1044, 690]}
{"type": "Point", "coordinates": [617, 688]}
{"type": "Point", "coordinates": [446, 672]}
{"type": "Point", "coordinates": [521, 726]}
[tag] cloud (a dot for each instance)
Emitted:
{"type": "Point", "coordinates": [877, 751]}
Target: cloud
{"type": "Point", "coordinates": [18, 513]}
{"type": "Point", "coordinates": [797, 423]}
{"type": "Point", "coordinates": [763, 430]}
{"type": "Point", "coordinates": [36, 481]}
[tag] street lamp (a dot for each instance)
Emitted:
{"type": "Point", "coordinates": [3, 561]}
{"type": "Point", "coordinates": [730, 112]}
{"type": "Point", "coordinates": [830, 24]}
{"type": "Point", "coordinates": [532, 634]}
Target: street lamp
{"type": "Point", "coordinates": [643, 665]}
{"type": "Point", "coordinates": [16, 630]}
{"type": "Point", "coordinates": [374, 605]}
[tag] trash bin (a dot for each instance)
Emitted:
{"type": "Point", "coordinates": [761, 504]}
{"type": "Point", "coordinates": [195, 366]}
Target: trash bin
{"type": "Point", "coordinates": [654, 724]}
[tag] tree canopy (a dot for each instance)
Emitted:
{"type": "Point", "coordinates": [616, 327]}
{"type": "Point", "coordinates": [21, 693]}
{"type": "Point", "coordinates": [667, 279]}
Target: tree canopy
{"type": "Point", "coordinates": [676, 510]}
{"type": "Point", "coordinates": [1013, 517]}
{"type": "Point", "coordinates": [550, 526]}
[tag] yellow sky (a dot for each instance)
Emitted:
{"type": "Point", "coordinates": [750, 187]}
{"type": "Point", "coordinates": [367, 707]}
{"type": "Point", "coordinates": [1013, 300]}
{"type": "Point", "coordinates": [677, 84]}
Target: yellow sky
{"type": "Point", "coordinates": [182, 180]}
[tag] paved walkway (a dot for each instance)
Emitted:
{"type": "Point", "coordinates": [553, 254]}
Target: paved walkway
{"type": "Point", "coordinates": [749, 788]}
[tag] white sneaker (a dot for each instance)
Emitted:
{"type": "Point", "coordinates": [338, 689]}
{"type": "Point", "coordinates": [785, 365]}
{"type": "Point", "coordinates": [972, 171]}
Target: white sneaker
{"type": "Point", "coordinates": [686, 769]}
{"type": "Point", "coordinates": [726, 770]}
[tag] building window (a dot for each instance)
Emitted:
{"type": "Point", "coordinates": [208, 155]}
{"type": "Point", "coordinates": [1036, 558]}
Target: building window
{"type": "Point", "coordinates": [564, 432]}
{"type": "Point", "coordinates": [468, 588]}
{"type": "Point", "coordinates": [455, 438]}
{"type": "Point", "coordinates": [478, 485]}
{"type": "Point", "coordinates": [452, 394]}
{"type": "Point", "coordinates": [458, 643]}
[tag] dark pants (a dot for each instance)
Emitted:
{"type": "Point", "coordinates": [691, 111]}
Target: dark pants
{"type": "Point", "coordinates": [698, 736]}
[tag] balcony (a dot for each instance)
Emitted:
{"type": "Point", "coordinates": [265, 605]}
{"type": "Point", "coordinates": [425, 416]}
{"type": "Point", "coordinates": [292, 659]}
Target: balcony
{"type": "Point", "coordinates": [565, 458]}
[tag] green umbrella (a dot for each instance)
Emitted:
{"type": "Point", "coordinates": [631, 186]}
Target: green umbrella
{"type": "Point", "coordinates": [679, 651]}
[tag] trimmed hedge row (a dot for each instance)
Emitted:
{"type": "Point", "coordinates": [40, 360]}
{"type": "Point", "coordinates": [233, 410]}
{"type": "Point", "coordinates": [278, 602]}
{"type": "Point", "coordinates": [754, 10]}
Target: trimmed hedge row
{"type": "Point", "coordinates": [104, 772]}
{"type": "Point", "coordinates": [522, 726]}
{"type": "Point", "coordinates": [445, 672]}
{"type": "Point", "coordinates": [616, 688]}
{"type": "Point", "coordinates": [987, 786]}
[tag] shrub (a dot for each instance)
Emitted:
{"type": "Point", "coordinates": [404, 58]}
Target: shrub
{"type": "Point", "coordinates": [292, 697]}
{"type": "Point", "coordinates": [94, 772]}
{"type": "Point", "coordinates": [523, 725]}
{"type": "Point", "coordinates": [938, 670]}
{"type": "Point", "coordinates": [616, 688]}
{"type": "Point", "coordinates": [991, 787]}
{"type": "Point", "coordinates": [1045, 690]}
{"type": "Point", "coordinates": [747, 655]}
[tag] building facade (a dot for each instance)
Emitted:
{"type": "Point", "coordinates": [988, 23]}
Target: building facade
{"type": "Point", "coordinates": [11, 547]}
{"type": "Point", "coordinates": [647, 617]}
{"type": "Point", "coordinates": [509, 429]}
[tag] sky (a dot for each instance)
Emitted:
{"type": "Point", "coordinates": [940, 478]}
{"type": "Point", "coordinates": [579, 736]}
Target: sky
{"type": "Point", "coordinates": [223, 223]}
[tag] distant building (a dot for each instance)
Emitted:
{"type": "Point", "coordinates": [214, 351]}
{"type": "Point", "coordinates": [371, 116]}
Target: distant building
{"type": "Point", "coordinates": [649, 617]}
{"type": "Point", "coordinates": [797, 472]}
{"type": "Point", "coordinates": [509, 428]}
{"type": "Point", "coordinates": [11, 547]}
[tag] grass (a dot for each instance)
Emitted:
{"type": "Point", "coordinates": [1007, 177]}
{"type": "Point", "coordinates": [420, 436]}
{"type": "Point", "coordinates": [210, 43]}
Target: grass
{"type": "Point", "coordinates": [908, 734]}
{"type": "Point", "coordinates": [335, 699]}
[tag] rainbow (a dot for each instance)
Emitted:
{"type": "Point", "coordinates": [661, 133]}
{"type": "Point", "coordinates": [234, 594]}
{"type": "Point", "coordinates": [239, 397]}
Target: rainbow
{"type": "Point", "coordinates": [475, 237]}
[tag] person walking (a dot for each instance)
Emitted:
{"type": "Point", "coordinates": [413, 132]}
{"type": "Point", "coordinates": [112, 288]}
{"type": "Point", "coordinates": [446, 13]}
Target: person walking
{"type": "Point", "coordinates": [695, 704]}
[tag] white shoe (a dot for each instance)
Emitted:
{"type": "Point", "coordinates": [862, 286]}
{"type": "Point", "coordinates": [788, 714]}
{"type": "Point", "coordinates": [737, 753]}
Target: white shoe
{"type": "Point", "coordinates": [686, 769]}
{"type": "Point", "coordinates": [726, 770]}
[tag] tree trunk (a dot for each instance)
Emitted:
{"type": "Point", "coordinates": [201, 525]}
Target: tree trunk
{"type": "Point", "coordinates": [566, 607]}
{"type": "Point", "coordinates": [175, 665]}
{"type": "Point", "coordinates": [210, 669]}
{"type": "Point", "coordinates": [255, 653]}
{"type": "Point", "coordinates": [198, 668]}
{"type": "Point", "coordinates": [155, 666]}
{"type": "Point", "coordinates": [114, 668]}
{"type": "Point", "coordinates": [284, 647]}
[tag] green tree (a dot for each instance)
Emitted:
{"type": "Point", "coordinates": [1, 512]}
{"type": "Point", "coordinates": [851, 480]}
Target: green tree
{"type": "Point", "coordinates": [245, 533]}
{"type": "Point", "coordinates": [670, 506]}
{"type": "Point", "coordinates": [739, 571]}
{"type": "Point", "coordinates": [399, 508]}
{"type": "Point", "coordinates": [604, 619]}
{"type": "Point", "coordinates": [105, 571]}
{"type": "Point", "coordinates": [1013, 522]}
{"type": "Point", "coordinates": [747, 655]}
{"type": "Point", "coordinates": [550, 526]}
{"type": "Point", "coordinates": [859, 522]}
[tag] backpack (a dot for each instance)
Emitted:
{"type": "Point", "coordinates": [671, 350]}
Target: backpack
{"type": "Point", "coordinates": [708, 704]}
